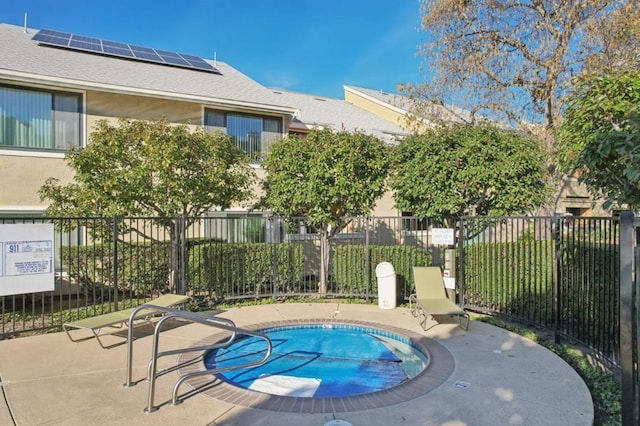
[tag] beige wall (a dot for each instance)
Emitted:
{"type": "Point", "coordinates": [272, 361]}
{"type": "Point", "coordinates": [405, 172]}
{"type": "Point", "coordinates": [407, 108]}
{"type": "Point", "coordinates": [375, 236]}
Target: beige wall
{"type": "Point", "coordinates": [22, 177]}
{"type": "Point", "coordinates": [101, 105]}
{"type": "Point", "coordinates": [384, 112]}
{"type": "Point", "coordinates": [575, 196]}
{"type": "Point", "coordinates": [384, 206]}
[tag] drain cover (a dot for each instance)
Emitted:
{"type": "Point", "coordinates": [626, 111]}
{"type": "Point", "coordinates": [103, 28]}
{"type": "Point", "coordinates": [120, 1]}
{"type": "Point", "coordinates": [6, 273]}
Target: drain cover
{"type": "Point", "coordinates": [462, 385]}
{"type": "Point", "coordinates": [337, 423]}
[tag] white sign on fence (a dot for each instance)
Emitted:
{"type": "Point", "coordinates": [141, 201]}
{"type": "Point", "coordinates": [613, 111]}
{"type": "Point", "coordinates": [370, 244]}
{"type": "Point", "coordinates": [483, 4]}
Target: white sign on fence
{"type": "Point", "coordinates": [26, 258]}
{"type": "Point", "coordinates": [449, 283]}
{"type": "Point", "coordinates": [442, 236]}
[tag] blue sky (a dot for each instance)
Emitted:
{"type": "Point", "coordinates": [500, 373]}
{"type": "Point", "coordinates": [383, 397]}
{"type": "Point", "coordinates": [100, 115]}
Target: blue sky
{"type": "Point", "coordinates": [310, 46]}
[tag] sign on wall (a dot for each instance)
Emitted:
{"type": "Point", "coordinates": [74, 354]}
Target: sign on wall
{"type": "Point", "coordinates": [26, 258]}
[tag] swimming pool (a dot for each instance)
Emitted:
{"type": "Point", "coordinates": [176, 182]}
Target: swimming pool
{"type": "Point", "coordinates": [439, 368]}
{"type": "Point", "coordinates": [321, 360]}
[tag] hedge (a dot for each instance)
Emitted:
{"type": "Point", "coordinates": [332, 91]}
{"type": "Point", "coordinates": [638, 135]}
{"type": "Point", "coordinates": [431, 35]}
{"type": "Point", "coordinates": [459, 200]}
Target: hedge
{"type": "Point", "coordinates": [511, 277]}
{"type": "Point", "coordinates": [221, 268]}
{"type": "Point", "coordinates": [349, 267]}
{"type": "Point", "coordinates": [141, 267]}
{"type": "Point", "coordinates": [517, 279]}
{"type": "Point", "coordinates": [230, 269]}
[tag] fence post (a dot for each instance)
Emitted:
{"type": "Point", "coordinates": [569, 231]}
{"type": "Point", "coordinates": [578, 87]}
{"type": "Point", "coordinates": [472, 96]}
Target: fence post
{"type": "Point", "coordinates": [556, 228]}
{"type": "Point", "coordinates": [114, 230]}
{"type": "Point", "coordinates": [273, 225]}
{"type": "Point", "coordinates": [183, 251]}
{"type": "Point", "coordinates": [627, 246]}
{"type": "Point", "coordinates": [367, 260]}
{"type": "Point", "coordinates": [460, 273]}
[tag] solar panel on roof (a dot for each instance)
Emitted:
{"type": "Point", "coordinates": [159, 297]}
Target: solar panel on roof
{"type": "Point", "coordinates": [52, 37]}
{"type": "Point", "coordinates": [175, 60]}
{"type": "Point", "coordinates": [83, 45]}
{"type": "Point", "coordinates": [115, 51]}
{"type": "Point", "coordinates": [122, 50]}
{"type": "Point", "coordinates": [115, 44]}
{"type": "Point", "coordinates": [86, 39]}
{"type": "Point", "coordinates": [147, 54]}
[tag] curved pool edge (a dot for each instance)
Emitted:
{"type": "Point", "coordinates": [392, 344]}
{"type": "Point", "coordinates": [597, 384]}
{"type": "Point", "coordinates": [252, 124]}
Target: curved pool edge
{"type": "Point", "coordinates": [439, 369]}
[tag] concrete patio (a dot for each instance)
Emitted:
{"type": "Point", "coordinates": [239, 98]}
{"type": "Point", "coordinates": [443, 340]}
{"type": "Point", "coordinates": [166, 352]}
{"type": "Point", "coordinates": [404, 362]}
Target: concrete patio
{"type": "Point", "coordinates": [497, 378]}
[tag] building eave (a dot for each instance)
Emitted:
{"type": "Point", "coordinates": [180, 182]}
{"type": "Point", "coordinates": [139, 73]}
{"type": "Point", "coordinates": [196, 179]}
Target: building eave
{"type": "Point", "coordinates": [38, 79]}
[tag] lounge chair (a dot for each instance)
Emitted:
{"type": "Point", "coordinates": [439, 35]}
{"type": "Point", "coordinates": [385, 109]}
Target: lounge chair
{"type": "Point", "coordinates": [430, 297]}
{"type": "Point", "coordinates": [120, 318]}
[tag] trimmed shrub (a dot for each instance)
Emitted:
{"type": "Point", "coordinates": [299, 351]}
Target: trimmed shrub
{"type": "Point", "coordinates": [517, 279]}
{"type": "Point", "coordinates": [349, 272]}
{"type": "Point", "coordinates": [251, 269]}
{"type": "Point", "coordinates": [142, 267]}
{"type": "Point", "coordinates": [589, 293]}
{"type": "Point", "coordinates": [511, 278]}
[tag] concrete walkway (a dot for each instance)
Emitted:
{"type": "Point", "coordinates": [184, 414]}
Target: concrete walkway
{"type": "Point", "coordinates": [498, 378]}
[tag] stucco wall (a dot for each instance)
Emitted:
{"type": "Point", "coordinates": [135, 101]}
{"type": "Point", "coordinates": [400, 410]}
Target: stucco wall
{"type": "Point", "coordinates": [381, 111]}
{"type": "Point", "coordinates": [101, 105]}
{"type": "Point", "coordinates": [22, 177]}
{"type": "Point", "coordinates": [23, 174]}
{"type": "Point", "coordinates": [384, 206]}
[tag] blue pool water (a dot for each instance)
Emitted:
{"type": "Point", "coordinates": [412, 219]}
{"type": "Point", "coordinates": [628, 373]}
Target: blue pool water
{"type": "Point", "coordinates": [318, 360]}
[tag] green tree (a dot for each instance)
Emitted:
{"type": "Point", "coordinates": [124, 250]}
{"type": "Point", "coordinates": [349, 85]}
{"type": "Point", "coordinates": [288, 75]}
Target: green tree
{"type": "Point", "coordinates": [600, 136]}
{"type": "Point", "coordinates": [150, 168]}
{"type": "Point", "coordinates": [597, 106]}
{"type": "Point", "coordinates": [328, 178]}
{"type": "Point", "coordinates": [461, 169]}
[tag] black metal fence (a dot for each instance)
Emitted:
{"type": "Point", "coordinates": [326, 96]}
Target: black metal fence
{"type": "Point", "coordinates": [560, 273]}
{"type": "Point", "coordinates": [105, 264]}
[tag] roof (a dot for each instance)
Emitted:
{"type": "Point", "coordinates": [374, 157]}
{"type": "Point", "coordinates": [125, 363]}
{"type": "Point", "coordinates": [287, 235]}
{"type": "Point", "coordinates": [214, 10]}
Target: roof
{"type": "Point", "coordinates": [25, 60]}
{"type": "Point", "coordinates": [320, 111]}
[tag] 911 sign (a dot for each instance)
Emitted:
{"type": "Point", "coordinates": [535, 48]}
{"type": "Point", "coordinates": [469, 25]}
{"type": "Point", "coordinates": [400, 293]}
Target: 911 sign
{"type": "Point", "coordinates": [26, 258]}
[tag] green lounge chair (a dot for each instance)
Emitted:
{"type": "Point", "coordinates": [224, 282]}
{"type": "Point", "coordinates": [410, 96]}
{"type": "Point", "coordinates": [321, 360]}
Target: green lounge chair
{"type": "Point", "coordinates": [120, 318]}
{"type": "Point", "coordinates": [430, 297]}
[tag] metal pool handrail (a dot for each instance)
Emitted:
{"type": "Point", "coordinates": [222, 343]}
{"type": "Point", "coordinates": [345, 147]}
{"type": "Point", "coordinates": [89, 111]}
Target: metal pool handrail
{"type": "Point", "coordinates": [209, 347]}
{"type": "Point", "coordinates": [186, 315]}
{"type": "Point", "coordinates": [201, 320]}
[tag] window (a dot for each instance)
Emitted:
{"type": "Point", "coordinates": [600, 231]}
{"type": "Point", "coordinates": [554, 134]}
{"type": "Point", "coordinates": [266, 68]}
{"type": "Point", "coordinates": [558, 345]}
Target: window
{"type": "Point", "coordinates": [578, 211]}
{"type": "Point", "coordinates": [36, 119]}
{"type": "Point", "coordinates": [235, 227]}
{"type": "Point", "coordinates": [251, 133]}
{"type": "Point", "coordinates": [413, 223]}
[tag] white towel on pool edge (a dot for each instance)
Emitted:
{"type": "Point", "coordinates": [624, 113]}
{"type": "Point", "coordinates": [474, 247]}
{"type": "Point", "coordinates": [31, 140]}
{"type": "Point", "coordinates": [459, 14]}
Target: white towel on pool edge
{"type": "Point", "coordinates": [286, 385]}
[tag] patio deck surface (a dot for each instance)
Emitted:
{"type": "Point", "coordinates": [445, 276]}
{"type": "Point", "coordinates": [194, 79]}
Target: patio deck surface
{"type": "Point", "coordinates": [494, 378]}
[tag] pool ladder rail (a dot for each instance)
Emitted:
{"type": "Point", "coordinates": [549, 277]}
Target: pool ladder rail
{"type": "Point", "coordinates": [198, 318]}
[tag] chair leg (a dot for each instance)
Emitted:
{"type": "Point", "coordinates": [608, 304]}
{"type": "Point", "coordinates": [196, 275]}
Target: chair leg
{"type": "Point", "coordinates": [468, 318]}
{"type": "Point", "coordinates": [423, 321]}
{"type": "Point", "coordinates": [413, 305]}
